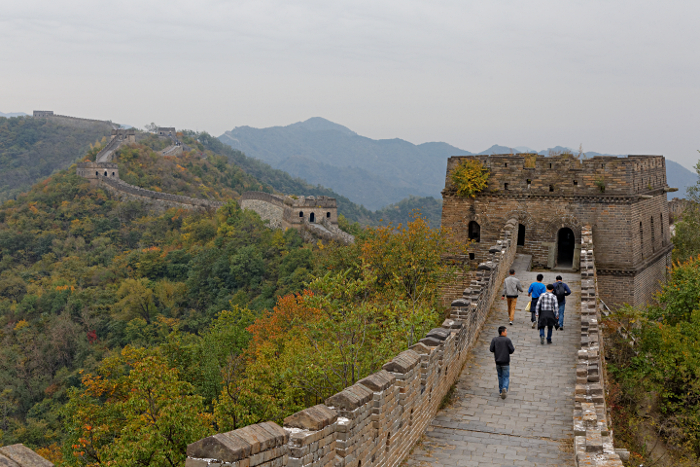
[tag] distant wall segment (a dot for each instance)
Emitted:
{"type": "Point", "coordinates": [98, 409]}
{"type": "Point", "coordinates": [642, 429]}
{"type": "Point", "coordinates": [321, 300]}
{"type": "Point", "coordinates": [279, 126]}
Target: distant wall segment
{"type": "Point", "coordinates": [316, 217]}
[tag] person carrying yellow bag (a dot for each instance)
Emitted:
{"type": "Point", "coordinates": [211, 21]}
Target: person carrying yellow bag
{"type": "Point", "coordinates": [511, 287]}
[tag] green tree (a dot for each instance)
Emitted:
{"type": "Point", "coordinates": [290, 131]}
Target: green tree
{"type": "Point", "coordinates": [134, 412]}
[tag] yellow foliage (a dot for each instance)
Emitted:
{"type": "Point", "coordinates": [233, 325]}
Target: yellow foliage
{"type": "Point", "coordinates": [469, 177]}
{"type": "Point", "coordinates": [21, 324]}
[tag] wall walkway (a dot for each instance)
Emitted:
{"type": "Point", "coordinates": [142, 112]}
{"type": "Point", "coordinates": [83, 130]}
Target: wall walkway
{"type": "Point", "coordinates": [533, 425]}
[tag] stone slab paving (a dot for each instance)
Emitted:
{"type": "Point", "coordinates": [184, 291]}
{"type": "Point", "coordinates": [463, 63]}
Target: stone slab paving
{"type": "Point", "coordinates": [533, 425]}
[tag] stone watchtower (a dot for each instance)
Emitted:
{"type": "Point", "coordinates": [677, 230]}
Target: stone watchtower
{"type": "Point", "coordinates": [623, 199]}
{"type": "Point", "coordinates": [125, 135]}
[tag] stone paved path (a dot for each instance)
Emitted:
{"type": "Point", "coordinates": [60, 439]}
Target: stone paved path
{"type": "Point", "coordinates": [532, 426]}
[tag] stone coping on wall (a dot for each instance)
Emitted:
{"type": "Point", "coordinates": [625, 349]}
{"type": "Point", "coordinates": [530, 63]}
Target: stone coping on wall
{"type": "Point", "coordinates": [379, 419]}
{"type": "Point", "coordinates": [593, 436]}
{"type": "Point", "coordinates": [18, 455]}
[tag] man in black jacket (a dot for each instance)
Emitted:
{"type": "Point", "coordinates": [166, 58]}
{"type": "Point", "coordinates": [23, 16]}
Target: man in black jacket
{"type": "Point", "coordinates": [502, 347]}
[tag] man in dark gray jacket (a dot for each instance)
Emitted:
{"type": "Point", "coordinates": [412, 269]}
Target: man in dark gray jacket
{"type": "Point", "coordinates": [511, 287]}
{"type": "Point", "coordinates": [502, 347]}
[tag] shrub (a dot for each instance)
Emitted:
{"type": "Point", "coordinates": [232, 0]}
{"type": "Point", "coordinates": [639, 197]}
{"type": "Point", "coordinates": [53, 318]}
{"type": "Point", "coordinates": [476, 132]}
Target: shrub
{"type": "Point", "coordinates": [469, 177]}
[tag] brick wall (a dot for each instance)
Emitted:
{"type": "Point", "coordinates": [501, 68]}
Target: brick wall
{"type": "Point", "coordinates": [378, 420]}
{"type": "Point", "coordinates": [266, 210]}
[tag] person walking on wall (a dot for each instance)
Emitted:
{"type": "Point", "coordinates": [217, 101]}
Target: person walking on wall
{"type": "Point", "coordinates": [547, 313]}
{"type": "Point", "coordinates": [511, 287]}
{"type": "Point", "coordinates": [502, 347]}
{"type": "Point", "coordinates": [561, 291]}
{"type": "Point", "coordinates": [536, 289]}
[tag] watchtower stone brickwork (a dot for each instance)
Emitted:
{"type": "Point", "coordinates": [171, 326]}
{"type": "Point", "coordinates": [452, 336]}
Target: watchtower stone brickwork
{"type": "Point", "coordinates": [623, 199]}
{"type": "Point", "coordinates": [127, 136]}
{"type": "Point", "coordinates": [315, 215]}
{"type": "Point", "coordinates": [168, 131]}
{"type": "Point", "coordinates": [43, 113]}
{"type": "Point", "coordinates": [94, 170]}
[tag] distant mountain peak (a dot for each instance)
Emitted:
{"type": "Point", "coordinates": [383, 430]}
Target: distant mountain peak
{"type": "Point", "coordinates": [321, 124]}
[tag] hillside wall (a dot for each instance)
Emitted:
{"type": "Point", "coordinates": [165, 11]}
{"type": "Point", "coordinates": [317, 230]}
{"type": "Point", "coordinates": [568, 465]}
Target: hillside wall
{"type": "Point", "coordinates": [69, 120]}
{"type": "Point", "coordinates": [378, 420]}
{"type": "Point", "coordinates": [160, 201]}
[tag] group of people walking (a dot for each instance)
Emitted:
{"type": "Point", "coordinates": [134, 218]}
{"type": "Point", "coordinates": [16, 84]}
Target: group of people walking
{"type": "Point", "coordinates": [546, 306]}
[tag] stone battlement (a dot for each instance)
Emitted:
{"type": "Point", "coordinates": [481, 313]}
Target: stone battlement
{"type": "Point", "coordinates": [593, 436]}
{"type": "Point", "coordinates": [379, 419]}
{"type": "Point", "coordinates": [566, 175]}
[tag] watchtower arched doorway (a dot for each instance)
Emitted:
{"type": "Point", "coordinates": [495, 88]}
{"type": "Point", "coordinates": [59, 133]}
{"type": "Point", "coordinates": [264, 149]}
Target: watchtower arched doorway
{"type": "Point", "coordinates": [566, 242]}
{"type": "Point", "coordinates": [312, 217]}
{"type": "Point", "coordinates": [521, 235]}
{"type": "Point", "coordinates": [474, 231]}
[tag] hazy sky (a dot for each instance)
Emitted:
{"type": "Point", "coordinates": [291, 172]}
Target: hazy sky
{"type": "Point", "coordinates": [617, 76]}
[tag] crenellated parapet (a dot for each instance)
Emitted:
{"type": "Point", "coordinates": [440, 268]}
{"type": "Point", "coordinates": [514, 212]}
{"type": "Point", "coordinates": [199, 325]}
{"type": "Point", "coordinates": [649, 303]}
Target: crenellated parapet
{"type": "Point", "coordinates": [378, 420]}
{"type": "Point", "coordinates": [593, 438]}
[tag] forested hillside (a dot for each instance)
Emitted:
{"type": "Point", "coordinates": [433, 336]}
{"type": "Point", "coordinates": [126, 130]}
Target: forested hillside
{"type": "Point", "coordinates": [126, 334]}
{"type": "Point", "coordinates": [31, 149]}
{"type": "Point", "coordinates": [82, 274]}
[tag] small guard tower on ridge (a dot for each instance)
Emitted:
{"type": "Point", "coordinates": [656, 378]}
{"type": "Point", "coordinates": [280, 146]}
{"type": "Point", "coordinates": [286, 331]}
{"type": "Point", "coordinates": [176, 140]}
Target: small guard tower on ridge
{"type": "Point", "coordinates": [623, 199]}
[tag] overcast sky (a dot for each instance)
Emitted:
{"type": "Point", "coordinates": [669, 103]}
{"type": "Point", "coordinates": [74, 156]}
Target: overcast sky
{"type": "Point", "coordinates": [616, 76]}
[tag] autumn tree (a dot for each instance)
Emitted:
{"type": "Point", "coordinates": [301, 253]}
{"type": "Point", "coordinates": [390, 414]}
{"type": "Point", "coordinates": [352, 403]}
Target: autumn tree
{"type": "Point", "coordinates": [135, 411]}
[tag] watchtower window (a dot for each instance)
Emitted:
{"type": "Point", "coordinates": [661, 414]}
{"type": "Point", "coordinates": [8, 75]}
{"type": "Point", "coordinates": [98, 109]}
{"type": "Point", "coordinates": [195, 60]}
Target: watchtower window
{"type": "Point", "coordinates": [506, 164]}
{"type": "Point", "coordinates": [521, 235]}
{"type": "Point", "coordinates": [474, 231]}
{"type": "Point", "coordinates": [97, 174]}
{"type": "Point", "coordinates": [312, 217]}
{"type": "Point", "coordinates": [529, 182]}
{"type": "Point", "coordinates": [301, 213]}
{"type": "Point", "coordinates": [575, 182]}
{"type": "Point", "coordinates": [550, 165]}
{"type": "Point", "coordinates": [551, 188]}
{"type": "Point", "coordinates": [505, 186]}
{"type": "Point", "coordinates": [112, 174]}
{"type": "Point", "coordinates": [105, 173]}
{"type": "Point", "coordinates": [328, 215]}
{"type": "Point", "coordinates": [641, 238]}
{"type": "Point", "coordinates": [471, 256]}
{"type": "Point", "coordinates": [653, 247]}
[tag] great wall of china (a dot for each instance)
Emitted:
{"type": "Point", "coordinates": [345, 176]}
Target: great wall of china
{"type": "Point", "coordinates": [380, 419]}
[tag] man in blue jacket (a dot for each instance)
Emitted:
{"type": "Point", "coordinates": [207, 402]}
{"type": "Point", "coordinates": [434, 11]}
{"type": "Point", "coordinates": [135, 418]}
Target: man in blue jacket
{"type": "Point", "coordinates": [536, 289]}
{"type": "Point", "coordinates": [561, 291]}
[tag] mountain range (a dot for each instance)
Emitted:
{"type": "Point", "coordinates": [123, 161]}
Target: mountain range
{"type": "Point", "coordinates": [13, 114]}
{"type": "Point", "coordinates": [372, 172]}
